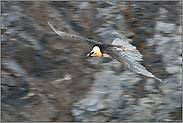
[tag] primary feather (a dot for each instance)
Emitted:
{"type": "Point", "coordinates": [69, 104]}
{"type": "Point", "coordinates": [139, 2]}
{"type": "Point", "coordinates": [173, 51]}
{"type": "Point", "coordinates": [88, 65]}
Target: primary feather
{"type": "Point", "coordinates": [63, 34]}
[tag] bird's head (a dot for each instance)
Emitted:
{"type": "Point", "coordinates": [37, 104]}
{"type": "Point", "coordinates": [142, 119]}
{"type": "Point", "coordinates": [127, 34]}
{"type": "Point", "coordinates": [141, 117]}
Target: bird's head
{"type": "Point", "coordinates": [95, 52]}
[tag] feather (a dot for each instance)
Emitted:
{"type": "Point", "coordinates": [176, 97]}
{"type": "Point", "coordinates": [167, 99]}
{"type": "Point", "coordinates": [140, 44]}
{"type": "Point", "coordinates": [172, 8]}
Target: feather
{"type": "Point", "coordinates": [129, 56]}
{"type": "Point", "coordinates": [125, 44]}
{"type": "Point", "coordinates": [125, 47]}
{"type": "Point", "coordinates": [63, 34]}
{"type": "Point", "coordinates": [121, 50]}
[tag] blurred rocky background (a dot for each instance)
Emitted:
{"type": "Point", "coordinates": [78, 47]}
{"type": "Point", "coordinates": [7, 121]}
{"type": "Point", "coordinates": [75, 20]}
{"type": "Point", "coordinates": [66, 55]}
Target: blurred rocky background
{"type": "Point", "coordinates": [45, 77]}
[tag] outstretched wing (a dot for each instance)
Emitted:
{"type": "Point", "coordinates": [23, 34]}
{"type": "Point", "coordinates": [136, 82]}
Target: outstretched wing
{"type": "Point", "coordinates": [129, 56]}
{"type": "Point", "coordinates": [63, 34]}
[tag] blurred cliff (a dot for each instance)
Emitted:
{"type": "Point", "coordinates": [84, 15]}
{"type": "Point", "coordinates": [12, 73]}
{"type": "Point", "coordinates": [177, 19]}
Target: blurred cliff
{"type": "Point", "coordinates": [47, 78]}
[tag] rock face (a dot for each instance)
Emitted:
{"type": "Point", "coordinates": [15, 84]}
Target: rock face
{"type": "Point", "coordinates": [48, 78]}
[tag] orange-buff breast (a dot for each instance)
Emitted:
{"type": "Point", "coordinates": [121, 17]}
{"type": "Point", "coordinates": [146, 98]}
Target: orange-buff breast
{"type": "Point", "coordinates": [96, 55]}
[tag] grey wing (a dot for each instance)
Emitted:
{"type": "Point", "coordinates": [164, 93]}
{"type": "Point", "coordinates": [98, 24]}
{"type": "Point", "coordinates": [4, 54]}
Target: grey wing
{"type": "Point", "coordinates": [129, 56]}
{"type": "Point", "coordinates": [125, 47]}
{"type": "Point", "coordinates": [63, 34]}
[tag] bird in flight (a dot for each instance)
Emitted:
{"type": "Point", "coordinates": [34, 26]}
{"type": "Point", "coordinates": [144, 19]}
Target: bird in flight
{"type": "Point", "coordinates": [121, 50]}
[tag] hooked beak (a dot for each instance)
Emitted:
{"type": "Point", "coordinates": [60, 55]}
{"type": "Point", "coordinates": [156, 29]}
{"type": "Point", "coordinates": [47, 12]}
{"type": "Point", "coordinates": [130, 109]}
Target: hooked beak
{"type": "Point", "coordinates": [90, 54]}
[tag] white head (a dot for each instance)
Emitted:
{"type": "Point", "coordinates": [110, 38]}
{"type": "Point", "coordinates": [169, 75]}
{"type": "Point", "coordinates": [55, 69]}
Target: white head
{"type": "Point", "coordinates": [95, 52]}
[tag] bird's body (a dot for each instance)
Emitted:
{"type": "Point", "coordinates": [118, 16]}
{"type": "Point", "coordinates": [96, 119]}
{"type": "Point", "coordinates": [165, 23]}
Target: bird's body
{"type": "Point", "coordinates": [121, 50]}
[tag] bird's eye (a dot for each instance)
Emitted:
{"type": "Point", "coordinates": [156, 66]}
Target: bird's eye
{"type": "Point", "coordinates": [92, 52]}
